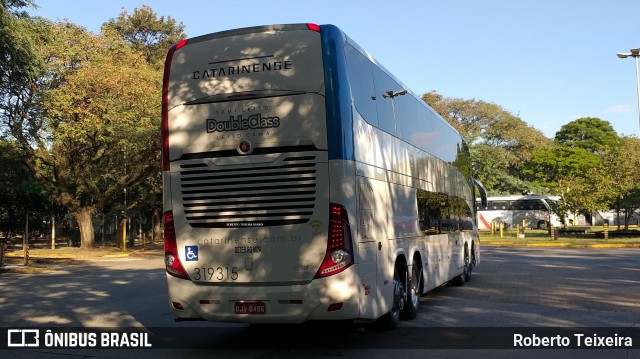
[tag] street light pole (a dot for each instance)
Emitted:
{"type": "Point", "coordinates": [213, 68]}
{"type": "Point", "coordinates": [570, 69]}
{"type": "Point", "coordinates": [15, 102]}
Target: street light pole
{"type": "Point", "coordinates": [635, 53]}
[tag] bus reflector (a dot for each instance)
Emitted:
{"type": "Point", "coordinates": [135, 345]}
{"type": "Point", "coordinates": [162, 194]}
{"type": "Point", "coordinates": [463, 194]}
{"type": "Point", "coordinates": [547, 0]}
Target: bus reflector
{"type": "Point", "coordinates": [339, 247]}
{"type": "Point", "coordinates": [313, 27]}
{"type": "Point", "coordinates": [171, 259]}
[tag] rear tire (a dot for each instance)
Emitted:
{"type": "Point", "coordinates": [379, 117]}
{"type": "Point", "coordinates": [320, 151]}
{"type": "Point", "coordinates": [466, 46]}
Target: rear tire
{"type": "Point", "coordinates": [458, 281]}
{"type": "Point", "coordinates": [391, 319]}
{"type": "Point", "coordinates": [413, 295]}
{"type": "Point", "coordinates": [467, 265]}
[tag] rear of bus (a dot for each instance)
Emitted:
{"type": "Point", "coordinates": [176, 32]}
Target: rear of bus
{"type": "Point", "coordinates": [247, 209]}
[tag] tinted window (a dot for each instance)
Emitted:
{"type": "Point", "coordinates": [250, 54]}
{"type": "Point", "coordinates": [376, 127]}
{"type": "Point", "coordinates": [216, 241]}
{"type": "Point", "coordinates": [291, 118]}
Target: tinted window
{"type": "Point", "coordinates": [419, 130]}
{"type": "Point", "coordinates": [361, 80]}
{"type": "Point", "coordinates": [406, 115]}
{"type": "Point", "coordinates": [383, 84]}
{"type": "Point", "coordinates": [440, 213]}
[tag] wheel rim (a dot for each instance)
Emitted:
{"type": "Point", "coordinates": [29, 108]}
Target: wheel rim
{"type": "Point", "coordinates": [467, 265]}
{"type": "Point", "coordinates": [415, 287]}
{"type": "Point", "coordinates": [399, 296]}
{"type": "Point", "coordinates": [466, 258]}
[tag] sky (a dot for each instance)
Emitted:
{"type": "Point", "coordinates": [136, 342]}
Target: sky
{"type": "Point", "coordinates": [549, 62]}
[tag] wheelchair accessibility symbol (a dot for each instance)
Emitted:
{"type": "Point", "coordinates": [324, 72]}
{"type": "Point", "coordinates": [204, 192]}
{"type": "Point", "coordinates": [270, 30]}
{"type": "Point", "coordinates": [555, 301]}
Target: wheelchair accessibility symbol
{"type": "Point", "coordinates": [191, 253]}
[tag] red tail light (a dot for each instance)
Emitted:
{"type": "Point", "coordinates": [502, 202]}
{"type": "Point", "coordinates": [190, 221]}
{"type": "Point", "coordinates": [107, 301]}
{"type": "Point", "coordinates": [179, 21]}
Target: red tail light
{"type": "Point", "coordinates": [339, 255]}
{"type": "Point", "coordinates": [313, 27]}
{"type": "Point", "coordinates": [181, 43]}
{"type": "Point", "coordinates": [171, 257]}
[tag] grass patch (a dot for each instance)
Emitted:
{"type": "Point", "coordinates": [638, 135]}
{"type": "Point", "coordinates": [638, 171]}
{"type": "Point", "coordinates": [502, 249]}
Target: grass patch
{"type": "Point", "coordinates": [571, 239]}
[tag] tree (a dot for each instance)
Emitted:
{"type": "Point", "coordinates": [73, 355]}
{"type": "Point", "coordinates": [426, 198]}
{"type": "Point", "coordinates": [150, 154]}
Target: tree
{"type": "Point", "coordinates": [151, 36]}
{"type": "Point", "coordinates": [90, 125]}
{"type": "Point", "coordinates": [618, 177]}
{"type": "Point", "coordinates": [589, 133]}
{"type": "Point", "coordinates": [21, 194]}
{"type": "Point", "coordinates": [148, 34]}
{"type": "Point", "coordinates": [17, 61]}
{"type": "Point", "coordinates": [567, 168]}
{"type": "Point", "coordinates": [84, 108]}
{"type": "Point", "coordinates": [499, 142]}
{"type": "Point", "coordinates": [106, 127]}
{"type": "Point", "coordinates": [561, 169]}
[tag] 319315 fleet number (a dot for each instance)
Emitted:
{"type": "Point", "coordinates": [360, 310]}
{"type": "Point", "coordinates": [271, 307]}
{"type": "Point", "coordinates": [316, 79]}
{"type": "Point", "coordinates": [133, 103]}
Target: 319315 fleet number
{"type": "Point", "coordinates": [215, 273]}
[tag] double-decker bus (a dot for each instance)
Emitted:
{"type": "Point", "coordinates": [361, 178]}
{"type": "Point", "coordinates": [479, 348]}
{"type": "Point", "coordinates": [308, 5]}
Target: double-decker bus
{"type": "Point", "coordinates": [302, 181]}
{"type": "Point", "coordinates": [533, 210]}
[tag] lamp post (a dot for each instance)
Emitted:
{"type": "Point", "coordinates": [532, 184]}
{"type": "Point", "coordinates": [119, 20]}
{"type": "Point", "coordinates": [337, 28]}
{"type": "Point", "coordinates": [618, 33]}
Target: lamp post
{"type": "Point", "coordinates": [635, 53]}
{"type": "Point", "coordinates": [392, 95]}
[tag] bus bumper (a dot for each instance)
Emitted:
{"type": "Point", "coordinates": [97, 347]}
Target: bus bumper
{"type": "Point", "coordinates": [330, 298]}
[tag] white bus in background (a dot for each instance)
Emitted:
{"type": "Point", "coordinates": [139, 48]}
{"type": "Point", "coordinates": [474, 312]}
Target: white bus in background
{"type": "Point", "coordinates": [534, 210]}
{"type": "Point", "coordinates": [304, 182]}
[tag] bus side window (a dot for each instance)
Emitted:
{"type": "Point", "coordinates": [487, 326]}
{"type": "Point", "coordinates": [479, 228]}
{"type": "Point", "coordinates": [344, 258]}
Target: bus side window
{"type": "Point", "coordinates": [384, 83]}
{"type": "Point", "coordinates": [361, 80]}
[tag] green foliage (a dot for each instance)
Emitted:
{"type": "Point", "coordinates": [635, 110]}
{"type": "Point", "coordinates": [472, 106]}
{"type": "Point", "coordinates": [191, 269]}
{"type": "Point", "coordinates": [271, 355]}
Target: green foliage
{"type": "Point", "coordinates": [574, 167]}
{"type": "Point", "coordinates": [587, 164]}
{"type": "Point", "coordinates": [18, 63]}
{"type": "Point", "coordinates": [547, 166]}
{"type": "Point", "coordinates": [491, 166]}
{"type": "Point", "coordinates": [618, 176]}
{"type": "Point", "coordinates": [499, 142]}
{"type": "Point", "coordinates": [21, 193]}
{"type": "Point", "coordinates": [146, 33]}
{"type": "Point", "coordinates": [84, 108]}
{"type": "Point", "coordinates": [104, 120]}
{"type": "Point", "coordinates": [564, 171]}
{"type": "Point", "coordinates": [150, 36]}
{"type": "Point", "coordinates": [90, 123]}
{"type": "Point", "coordinates": [591, 134]}
{"type": "Point", "coordinates": [16, 6]}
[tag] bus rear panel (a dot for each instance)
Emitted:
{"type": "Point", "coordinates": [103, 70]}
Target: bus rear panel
{"type": "Point", "coordinates": [246, 178]}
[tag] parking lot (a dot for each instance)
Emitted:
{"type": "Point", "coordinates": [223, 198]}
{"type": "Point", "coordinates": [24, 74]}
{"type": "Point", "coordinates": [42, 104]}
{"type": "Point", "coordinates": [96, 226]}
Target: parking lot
{"type": "Point", "coordinates": [516, 286]}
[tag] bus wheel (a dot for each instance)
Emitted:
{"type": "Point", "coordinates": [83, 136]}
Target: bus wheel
{"type": "Point", "coordinates": [467, 265]}
{"type": "Point", "coordinates": [390, 320]}
{"type": "Point", "coordinates": [413, 301]}
{"type": "Point", "coordinates": [474, 261]}
{"type": "Point", "coordinates": [461, 278]}
{"type": "Point", "coordinates": [458, 281]}
{"type": "Point", "coordinates": [542, 224]}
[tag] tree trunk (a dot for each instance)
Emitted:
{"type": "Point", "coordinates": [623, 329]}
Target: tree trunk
{"type": "Point", "coordinates": [84, 218]}
{"type": "Point", "coordinates": [156, 226]}
{"type": "Point", "coordinates": [627, 219]}
{"type": "Point", "coordinates": [53, 231]}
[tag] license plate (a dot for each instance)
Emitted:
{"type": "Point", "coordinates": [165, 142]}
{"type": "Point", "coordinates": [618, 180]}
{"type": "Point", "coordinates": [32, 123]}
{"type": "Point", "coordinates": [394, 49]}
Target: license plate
{"type": "Point", "coordinates": [250, 307]}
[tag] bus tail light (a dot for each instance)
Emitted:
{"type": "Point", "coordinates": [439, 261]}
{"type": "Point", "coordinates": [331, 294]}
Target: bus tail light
{"type": "Point", "coordinates": [313, 27]}
{"type": "Point", "coordinates": [339, 255]}
{"type": "Point", "coordinates": [171, 258]}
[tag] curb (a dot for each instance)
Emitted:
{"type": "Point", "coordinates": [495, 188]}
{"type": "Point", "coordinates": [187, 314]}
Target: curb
{"type": "Point", "coordinates": [26, 270]}
{"type": "Point", "coordinates": [562, 245]}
